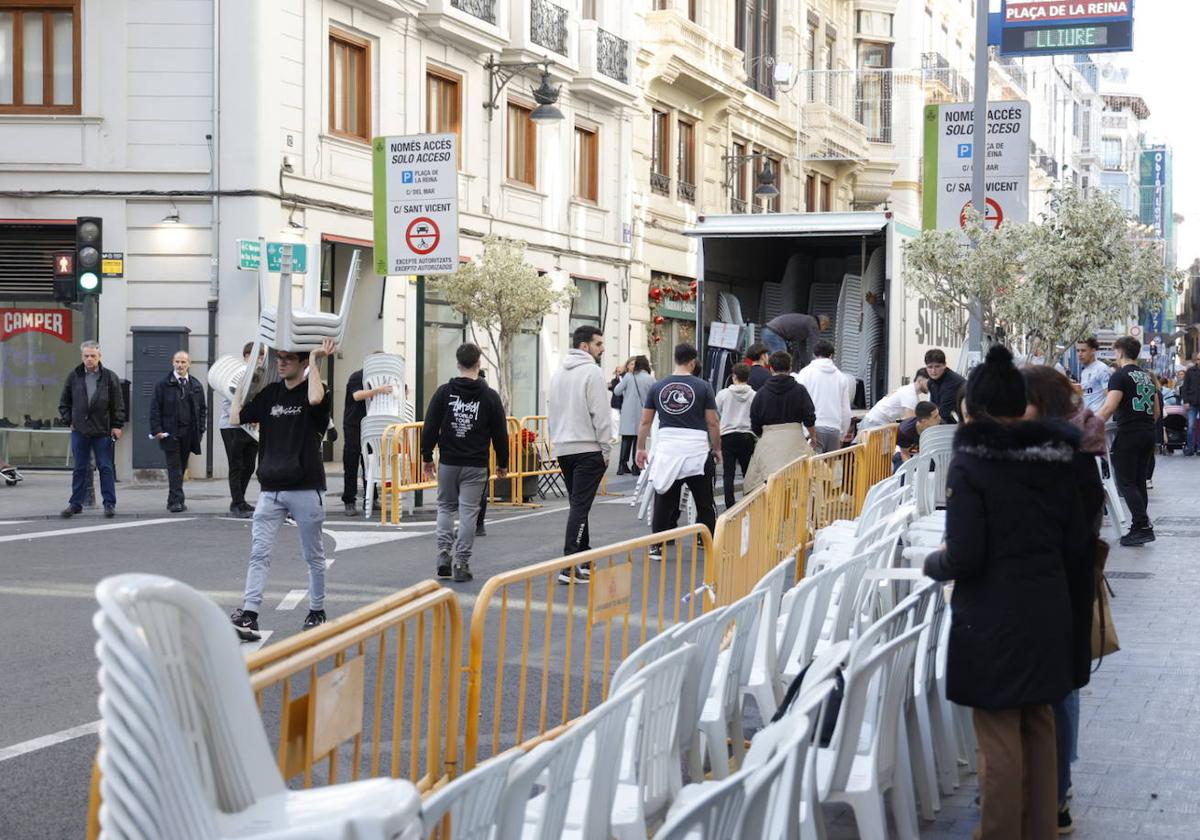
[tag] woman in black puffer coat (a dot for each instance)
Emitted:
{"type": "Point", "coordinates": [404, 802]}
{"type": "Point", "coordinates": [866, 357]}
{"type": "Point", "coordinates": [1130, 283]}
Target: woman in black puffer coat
{"type": "Point", "coordinates": [1014, 527]}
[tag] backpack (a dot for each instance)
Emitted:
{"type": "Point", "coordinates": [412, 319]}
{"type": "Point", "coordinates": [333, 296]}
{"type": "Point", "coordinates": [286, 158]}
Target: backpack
{"type": "Point", "coordinates": [831, 712]}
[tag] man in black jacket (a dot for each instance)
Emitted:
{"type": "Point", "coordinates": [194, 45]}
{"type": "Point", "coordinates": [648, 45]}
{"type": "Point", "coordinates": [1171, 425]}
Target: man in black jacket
{"type": "Point", "coordinates": [177, 420]}
{"type": "Point", "coordinates": [944, 385]}
{"type": "Point", "coordinates": [464, 417]}
{"type": "Point", "coordinates": [92, 404]}
{"type": "Point", "coordinates": [783, 400]}
{"type": "Point", "coordinates": [1189, 395]}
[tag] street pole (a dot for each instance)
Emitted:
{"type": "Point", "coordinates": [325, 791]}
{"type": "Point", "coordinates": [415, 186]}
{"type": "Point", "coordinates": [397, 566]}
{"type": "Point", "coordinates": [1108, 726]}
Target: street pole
{"type": "Point", "coordinates": [979, 157]}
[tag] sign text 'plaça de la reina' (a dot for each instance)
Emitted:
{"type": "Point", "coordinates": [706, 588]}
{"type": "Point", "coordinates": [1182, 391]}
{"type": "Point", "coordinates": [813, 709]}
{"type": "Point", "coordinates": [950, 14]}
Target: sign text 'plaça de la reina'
{"type": "Point", "coordinates": [415, 182]}
{"type": "Point", "coordinates": [950, 155]}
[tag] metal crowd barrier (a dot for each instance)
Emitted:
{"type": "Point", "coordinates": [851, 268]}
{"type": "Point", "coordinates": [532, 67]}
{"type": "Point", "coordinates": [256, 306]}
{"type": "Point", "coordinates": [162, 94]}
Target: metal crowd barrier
{"type": "Point", "coordinates": [375, 692]}
{"type": "Point", "coordinates": [541, 654]}
{"type": "Point", "coordinates": [400, 469]}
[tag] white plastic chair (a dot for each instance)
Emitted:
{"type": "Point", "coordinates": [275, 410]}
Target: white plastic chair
{"type": "Point", "coordinates": [183, 753]}
{"type": "Point", "coordinates": [371, 438]}
{"type": "Point", "coordinates": [721, 715]}
{"type": "Point", "coordinates": [1118, 518]}
{"type": "Point", "coordinates": [472, 801]}
{"type": "Point", "coordinates": [803, 612]}
{"type": "Point", "coordinates": [928, 750]}
{"type": "Point", "coordinates": [290, 329]}
{"type": "Point", "coordinates": [701, 633]}
{"type": "Point", "coordinates": [763, 683]}
{"type": "Point", "coordinates": [225, 378]}
{"type": "Point", "coordinates": [649, 777]}
{"type": "Point", "coordinates": [714, 815]}
{"type": "Point", "coordinates": [652, 650]}
{"type": "Point", "coordinates": [860, 775]}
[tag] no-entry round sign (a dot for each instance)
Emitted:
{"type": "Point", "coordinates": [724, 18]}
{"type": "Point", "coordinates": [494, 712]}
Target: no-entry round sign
{"type": "Point", "coordinates": [422, 235]}
{"type": "Point", "coordinates": [994, 216]}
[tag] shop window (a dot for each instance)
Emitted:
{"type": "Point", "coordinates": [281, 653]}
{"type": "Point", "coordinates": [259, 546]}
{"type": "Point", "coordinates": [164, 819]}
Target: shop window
{"type": "Point", "coordinates": [521, 160]}
{"type": "Point", "coordinates": [443, 103]}
{"type": "Point", "coordinates": [526, 370]}
{"type": "Point", "coordinates": [40, 66]}
{"type": "Point", "coordinates": [739, 182]}
{"type": "Point", "coordinates": [349, 86]}
{"type": "Point", "coordinates": [444, 331]}
{"type": "Point", "coordinates": [587, 163]}
{"type": "Point", "coordinates": [39, 345]}
{"type": "Point", "coordinates": [590, 306]}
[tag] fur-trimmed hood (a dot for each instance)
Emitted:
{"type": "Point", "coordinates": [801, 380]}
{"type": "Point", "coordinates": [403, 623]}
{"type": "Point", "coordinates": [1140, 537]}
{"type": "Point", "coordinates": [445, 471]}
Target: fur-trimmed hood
{"type": "Point", "coordinates": [1048, 441]}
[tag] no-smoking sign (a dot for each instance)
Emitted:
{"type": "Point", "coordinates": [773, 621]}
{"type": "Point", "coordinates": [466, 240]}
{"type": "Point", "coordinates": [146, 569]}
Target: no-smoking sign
{"type": "Point", "coordinates": [422, 235]}
{"type": "Point", "coordinates": [993, 218]}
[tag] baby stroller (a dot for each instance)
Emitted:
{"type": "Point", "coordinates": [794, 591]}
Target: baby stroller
{"type": "Point", "coordinates": [10, 474]}
{"type": "Point", "coordinates": [1174, 429]}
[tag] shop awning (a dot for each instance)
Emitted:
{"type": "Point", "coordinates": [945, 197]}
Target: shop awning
{"type": "Point", "coordinates": [791, 224]}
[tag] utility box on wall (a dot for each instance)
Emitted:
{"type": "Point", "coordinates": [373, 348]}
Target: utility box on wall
{"type": "Point", "coordinates": [153, 349]}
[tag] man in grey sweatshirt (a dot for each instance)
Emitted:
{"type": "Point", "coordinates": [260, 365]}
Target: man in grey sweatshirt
{"type": "Point", "coordinates": [581, 433]}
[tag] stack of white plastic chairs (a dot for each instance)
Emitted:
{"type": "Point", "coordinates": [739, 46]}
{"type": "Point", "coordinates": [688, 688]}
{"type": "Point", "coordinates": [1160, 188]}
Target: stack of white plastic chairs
{"type": "Point", "coordinates": [286, 328]}
{"type": "Point", "coordinates": [383, 410]}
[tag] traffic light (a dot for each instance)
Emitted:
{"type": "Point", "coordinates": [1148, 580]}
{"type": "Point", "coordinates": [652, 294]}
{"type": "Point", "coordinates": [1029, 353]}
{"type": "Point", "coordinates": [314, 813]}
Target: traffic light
{"type": "Point", "coordinates": [64, 277]}
{"type": "Point", "coordinates": [88, 253]}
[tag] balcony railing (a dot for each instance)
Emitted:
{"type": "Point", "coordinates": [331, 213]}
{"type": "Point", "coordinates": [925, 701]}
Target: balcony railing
{"type": "Point", "coordinates": [485, 10]}
{"type": "Point", "coordinates": [873, 104]}
{"type": "Point", "coordinates": [936, 68]}
{"type": "Point", "coordinates": [687, 192]}
{"type": "Point", "coordinates": [738, 205]}
{"type": "Point", "coordinates": [660, 183]}
{"type": "Point", "coordinates": [548, 25]}
{"type": "Point", "coordinates": [1015, 71]}
{"type": "Point", "coordinates": [612, 56]}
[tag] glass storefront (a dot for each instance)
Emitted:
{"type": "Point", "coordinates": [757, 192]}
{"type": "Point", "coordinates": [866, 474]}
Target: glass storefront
{"type": "Point", "coordinates": [444, 332]}
{"type": "Point", "coordinates": [38, 348]}
{"type": "Point", "coordinates": [526, 366]}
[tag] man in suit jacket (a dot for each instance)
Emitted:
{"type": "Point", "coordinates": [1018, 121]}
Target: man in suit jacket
{"type": "Point", "coordinates": [178, 414]}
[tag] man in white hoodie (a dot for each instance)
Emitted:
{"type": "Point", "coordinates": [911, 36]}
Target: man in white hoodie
{"type": "Point", "coordinates": [581, 433]}
{"type": "Point", "coordinates": [832, 392]}
{"type": "Point", "coordinates": [737, 441]}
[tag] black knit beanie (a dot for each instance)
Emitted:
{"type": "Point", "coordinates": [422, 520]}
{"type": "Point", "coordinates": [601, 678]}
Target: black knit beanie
{"type": "Point", "coordinates": [996, 388]}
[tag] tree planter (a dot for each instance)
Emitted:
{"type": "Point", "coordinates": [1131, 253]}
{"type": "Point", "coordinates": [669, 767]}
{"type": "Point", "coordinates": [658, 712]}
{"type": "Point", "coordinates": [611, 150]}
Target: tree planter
{"type": "Point", "coordinates": [528, 484]}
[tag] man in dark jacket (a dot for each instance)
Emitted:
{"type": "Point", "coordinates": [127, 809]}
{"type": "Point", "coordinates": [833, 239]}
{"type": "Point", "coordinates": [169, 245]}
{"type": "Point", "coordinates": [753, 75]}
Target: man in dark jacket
{"type": "Point", "coordinates": [464, 417]}
{"type": "Point", "coordinates": [1189, 395]}
{"type": "Point", "coordinates": [944, 385]}
{"type": "Point", "coordinates": [783, 400]}
{"type": "Point", "coordinates": [1016, 533]}
{"type": "Point", "coordinates": [93, 406]}
{"type": "Point", "coordinates": [178, 414]}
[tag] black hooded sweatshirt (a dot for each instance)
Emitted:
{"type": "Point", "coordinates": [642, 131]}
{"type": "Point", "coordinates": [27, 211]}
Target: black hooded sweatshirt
{"type": "Point", "coordinates": [463, 417]}
{"type": "Point", "coordinates": [781, 400]}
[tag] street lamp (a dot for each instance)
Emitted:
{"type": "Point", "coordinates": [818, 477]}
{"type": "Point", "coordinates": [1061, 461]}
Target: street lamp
{"type": "Point", "coordinates": [500, 73]}
{"type": "Point", "coordinates": [765, 187]}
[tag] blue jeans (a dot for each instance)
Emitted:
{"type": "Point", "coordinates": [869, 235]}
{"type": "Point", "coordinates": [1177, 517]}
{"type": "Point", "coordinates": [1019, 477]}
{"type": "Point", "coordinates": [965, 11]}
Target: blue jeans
{"type": "Point", "coordinates": [773, 340]}
{"type": "Point", "coordinates": [1066, 737]}
{"type": "Point", "coordinates": [1192, 441]}
{"type": "Point", "coordinates": [83, 447]}
{"type": "Point", "coordinates": [308, 509]}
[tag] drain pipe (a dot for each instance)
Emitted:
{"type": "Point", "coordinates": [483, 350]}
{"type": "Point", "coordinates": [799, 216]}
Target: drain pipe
{"type": "Point", "coordinates": [214, 282]}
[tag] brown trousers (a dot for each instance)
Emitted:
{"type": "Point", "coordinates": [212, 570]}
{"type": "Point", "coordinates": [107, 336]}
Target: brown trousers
{"type": "Point", "coordinates": [1018, 783]}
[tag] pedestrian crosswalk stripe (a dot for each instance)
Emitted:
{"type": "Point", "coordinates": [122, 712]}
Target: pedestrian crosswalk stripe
{"type": "Point", "coordinates": [291, 599]}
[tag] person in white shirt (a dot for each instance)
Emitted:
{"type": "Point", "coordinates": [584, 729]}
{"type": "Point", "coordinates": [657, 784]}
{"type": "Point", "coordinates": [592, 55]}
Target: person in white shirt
{"type": "Point", "coordinates": [832, 392]}
{"type": "Point", "coordinates": [1093, 373]}
{"type": "Point", "coordinates": [898, 405]}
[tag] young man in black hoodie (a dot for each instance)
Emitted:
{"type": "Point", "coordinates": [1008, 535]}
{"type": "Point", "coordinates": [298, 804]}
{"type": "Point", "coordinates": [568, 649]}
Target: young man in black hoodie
{"type": "Point", "coordinates": [463, 418]}
{"type": "Point", "coordinates": [783, 400]}
{"type": "Point", "coordinates": [944, 385]}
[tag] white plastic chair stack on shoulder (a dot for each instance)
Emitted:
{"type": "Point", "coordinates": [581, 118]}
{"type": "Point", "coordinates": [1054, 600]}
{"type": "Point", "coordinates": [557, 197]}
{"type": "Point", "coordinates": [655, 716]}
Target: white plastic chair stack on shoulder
{"type": "Point", "coordinates": [225, 377]}
{"type": "Point", "coordinates": [183, 753]}
{"type": "Point", "coordinates": [383, 410]}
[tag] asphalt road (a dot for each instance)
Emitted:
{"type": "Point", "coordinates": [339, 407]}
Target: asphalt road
{"type": "Point", "coordinates": [49, 568]}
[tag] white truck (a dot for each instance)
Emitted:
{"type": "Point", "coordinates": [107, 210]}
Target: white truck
{"type": "Point", "coordinates": [753, 267]}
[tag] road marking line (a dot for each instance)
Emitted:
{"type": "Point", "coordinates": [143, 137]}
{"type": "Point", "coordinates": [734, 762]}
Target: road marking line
{"type": "Point", "coordinates": [87, 529]}
{"type": "Point", "coordinates": [251, 647]}
{"type": "Point", "coordinates": [15, 522]}
{"type": "Point", "coordinates": [35, 744]}
{"type": "Point", "coordinates": [291, 599]}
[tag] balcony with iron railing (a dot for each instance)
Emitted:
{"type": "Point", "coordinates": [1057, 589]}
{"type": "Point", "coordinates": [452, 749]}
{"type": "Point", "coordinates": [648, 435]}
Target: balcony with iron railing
{"type": "Point", "coordinates": [476, 26]}
{"type": "Point", "coordinates": [548, 25]}
{"type": "Point", "coordinates": [1015, 71]}
{"type": "Point", "coordinates": [604, 66]}
{"type": "Point", "coordinates": [683, 51]}
{"type": "Point", "coordinates": [942, 82]}
{"type": "Point", "coordinates": [835, 104]}
{"type": "Point", "coordinates": [686, 192]}
{"type": "Point", "coordinates": [660, 183]}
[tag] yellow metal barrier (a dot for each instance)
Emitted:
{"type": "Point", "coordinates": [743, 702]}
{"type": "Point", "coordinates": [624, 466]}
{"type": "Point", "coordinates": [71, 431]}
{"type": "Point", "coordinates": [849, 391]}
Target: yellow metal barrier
{"type": "Point", "coordinates": [787, 517]}
{"type": "Point", "coordinates": [880, 443]}
{"type": "Point", "coordinates": [400, 468]}
{"type": "Point", "coordinates": [742, 547]}
{"type": "Point", "coordinates": [837, 486]}
{"type": "Point", "coordinates": [391, 668]}
{"type": "Point", "coordinates": [542, 653]}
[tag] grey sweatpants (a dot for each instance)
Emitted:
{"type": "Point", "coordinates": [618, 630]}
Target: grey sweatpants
{"type": "Point", "coordinates": [829, 439]}
{"type": "Point", "coordinates": [307, 508]}
{"type": "Point", "coordinates": [460, 490]}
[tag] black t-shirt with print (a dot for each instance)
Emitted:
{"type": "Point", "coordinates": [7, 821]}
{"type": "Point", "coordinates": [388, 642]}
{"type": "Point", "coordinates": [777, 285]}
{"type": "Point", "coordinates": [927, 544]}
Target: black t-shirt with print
{"type": "Point", "coordinates": [1137, 396]}
{"type": "Point", "coordinates": [681, 402]}
{"type": "Point", "coordinates": [289, 436]}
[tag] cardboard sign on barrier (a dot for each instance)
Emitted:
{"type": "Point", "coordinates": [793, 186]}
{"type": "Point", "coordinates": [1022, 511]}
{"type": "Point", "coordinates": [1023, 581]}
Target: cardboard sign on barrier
{"type": "Point", "coordinates": [610, 591]}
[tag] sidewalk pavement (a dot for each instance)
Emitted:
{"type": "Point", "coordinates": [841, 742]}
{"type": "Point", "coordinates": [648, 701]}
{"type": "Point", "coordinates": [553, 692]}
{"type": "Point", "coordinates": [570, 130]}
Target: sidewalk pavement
{"type": "Point", "coordinates": [1138, 773]}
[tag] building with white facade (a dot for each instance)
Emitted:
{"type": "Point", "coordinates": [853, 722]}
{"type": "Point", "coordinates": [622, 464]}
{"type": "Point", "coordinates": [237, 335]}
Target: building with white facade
{"type": "Point", "coordinates": [187, 126]}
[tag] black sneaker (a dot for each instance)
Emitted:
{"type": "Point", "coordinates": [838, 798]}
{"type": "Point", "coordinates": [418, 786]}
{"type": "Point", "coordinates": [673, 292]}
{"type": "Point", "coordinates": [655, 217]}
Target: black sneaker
{"type": "Point", "coordinates": [315, 618]}
{"type": "Point", "coordinates": [1147, 534]}
{"type": "Point", "coordinates": [462, 573]}
{"type": "Point", "coordinates": [351, 509]}
{"type": "Point", "coordinates": [1065, 826]}
{"type": "Point", "coordinates": [481, 531]}
{"type": "Point", "coordinates": [656, 552]}
{"type": "Point", "coordinates": [245, 622]}
{"type": "Point", "coordinates": [70, 510]}
{"type": "Point", "coordinates": [111, 510]}
{"type": "Point", "coordinates": [443, 569]}
{"type": "Point", "coordinates": [178, 507]}
{"type": "Point", "coordinates": [572, 573]}
{"type": "Point", "coordinates": [1134, 539]}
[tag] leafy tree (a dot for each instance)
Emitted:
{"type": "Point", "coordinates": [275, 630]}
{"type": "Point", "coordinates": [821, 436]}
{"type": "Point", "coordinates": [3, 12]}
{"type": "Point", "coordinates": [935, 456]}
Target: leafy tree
{"type": "Point", "coordinates": [499, 294]}
{"type": "Point", "coordinates": [1077, 269]}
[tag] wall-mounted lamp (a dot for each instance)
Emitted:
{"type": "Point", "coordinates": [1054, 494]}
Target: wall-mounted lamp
{"type": "Point", "coordinates": [500, 73]}
{"type": "Point", "coordinates": [765, 188]}
{"type": "Point", "coordinates": [172, 218]}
